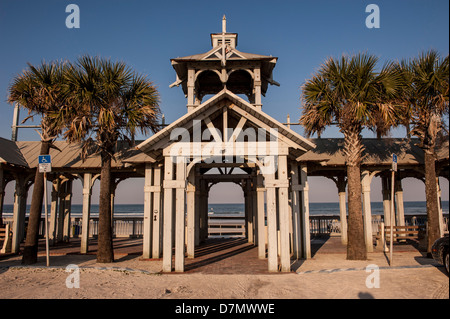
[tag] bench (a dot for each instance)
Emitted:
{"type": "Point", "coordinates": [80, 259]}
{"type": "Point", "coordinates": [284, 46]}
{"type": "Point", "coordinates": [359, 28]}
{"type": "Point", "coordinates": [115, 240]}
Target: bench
{"type": "Point", "coordinates": [6, 238]}
{"type": "Point", "coordinates": [399, 233]}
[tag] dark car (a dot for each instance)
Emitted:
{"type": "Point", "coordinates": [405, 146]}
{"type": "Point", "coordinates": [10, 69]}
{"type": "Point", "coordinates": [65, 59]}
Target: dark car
{"type": "Point", "coordinates": [439, 250]}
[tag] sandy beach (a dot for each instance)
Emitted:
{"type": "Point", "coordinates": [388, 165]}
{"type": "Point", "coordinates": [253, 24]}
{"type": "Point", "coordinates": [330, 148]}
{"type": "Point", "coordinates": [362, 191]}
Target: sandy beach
{"type": "Point", "coordinates": [325, 276]}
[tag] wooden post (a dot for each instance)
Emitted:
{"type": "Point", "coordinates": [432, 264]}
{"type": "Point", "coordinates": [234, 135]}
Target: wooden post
{"type": "Point", "coordinates": [61, 211]}
{"type": "Point", "coordinates": [249, 211]}
{"type": "Point", "coordinates": [168, 215]}
{"type": "Point", "coordinates": [54, 210]}
{"type": "Point", "coordinates": [272, 234]}
{"type": "Point", "coordinates": [156, 213]}
{"type": "Point", "coordinates": [306, 236]}
{"type": "Point", "coordinates": [296, 188]}
{"type": "Point", "coordinates": [87, 186]}
{"type": "Point", "coordinates": [283, 204]}
{"type": "Point", "coordinates": [20, 199]}
{"type": "Point", "coordinates": [190, 207]}
{"type": "Point", "coordinates": [67, 210]}
{"type": "Point", "coordinates": [254, 208]}
{"type": "Point", "coordinates": [341, 184]}
{"type": "Point", "coordinates": [180, 216]}
{"type": "Point", "coordinates": [260, 191]}
{"type": "Point", "coordinates": [399, 202]}
{"type": "Point", "coordinates": [385, 189]}
{"type": "Point", "coordinates": [367, 177]}
{"type": "Point", "coordinates": [197, 207]}
{"type": "Point", "coordinates": [148, 214]}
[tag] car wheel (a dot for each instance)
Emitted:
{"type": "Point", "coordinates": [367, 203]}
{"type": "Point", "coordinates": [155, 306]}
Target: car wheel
{"type": "Point", "coordinates": [446, 261]}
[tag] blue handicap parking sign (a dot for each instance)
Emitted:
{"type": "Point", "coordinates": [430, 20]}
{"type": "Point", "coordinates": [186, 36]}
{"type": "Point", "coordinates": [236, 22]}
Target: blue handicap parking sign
{"type": "Point", "coordinates": [45, 159]}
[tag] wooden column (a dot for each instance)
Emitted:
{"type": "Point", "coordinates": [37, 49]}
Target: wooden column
{"type": "Point", "coordinates": [61, 210]}
{"type": "Point", "coordinates": [87, 187]}
{"type": "Point", "coordinates": [180, 217]}
{"type": "Point", "coordinates": [19, 210]}
{"type": "Point", "coordinates": [260, 191]}
{"type": "Point", "coordinates": [190, 207]}
{"type": "Point", "coordinates": [203, 210]}
{"type": "Point", "coordinates": [249, 211]}
{"type": "Point", "coordinates": [54, 210]}
{"type": "Point", "coordinates": [400, 210]}
{"type": "Point", "coordinates": [254, 207]}
{"type": "Point", "coordinates": [367, 211]}
{"type": "Point", "coordinates": [168, 215]}
{"type": "Point", "coordinates": [272, 234]}
{"type": "Point", "coordinates": [197, 208]}
{"type": "Point", "coordinates": [67, 211]}
{"type": "Point", "coordinates": [386, 193]}
{"type": "Point", "coordinates": [191, 90]}
{"type": "Point", "coordinates": [341, 184]}
{"type": "Point", "coordinates": [305, 227]}
{"type": "Point", "coordinates": [257, 88]}
{"type": "Point", "coordinates": [148, 214]}
{"type": "Point", "coordinates": [283, 204]}
{"type": "Point", "coordinates": [296, 188]}
{"type": "Point", "coordinates": [157, 216]}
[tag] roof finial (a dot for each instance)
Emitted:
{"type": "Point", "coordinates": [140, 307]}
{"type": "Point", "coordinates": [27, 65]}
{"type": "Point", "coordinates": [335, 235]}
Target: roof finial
{"type": "Point", "coordinates": [224, 24]}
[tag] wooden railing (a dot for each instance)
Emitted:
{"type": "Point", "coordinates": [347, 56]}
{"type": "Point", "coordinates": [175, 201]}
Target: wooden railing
{"type": "Point", "coordinates": [227, 225]}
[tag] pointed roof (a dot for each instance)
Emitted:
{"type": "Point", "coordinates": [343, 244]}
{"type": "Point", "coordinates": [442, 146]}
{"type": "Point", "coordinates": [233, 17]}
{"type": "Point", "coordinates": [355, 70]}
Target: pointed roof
{"type": "Point", "coordinates": [240, 106]}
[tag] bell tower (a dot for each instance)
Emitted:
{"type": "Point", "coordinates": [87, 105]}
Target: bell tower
{"type": "Point", "coordinates": [224, 67]}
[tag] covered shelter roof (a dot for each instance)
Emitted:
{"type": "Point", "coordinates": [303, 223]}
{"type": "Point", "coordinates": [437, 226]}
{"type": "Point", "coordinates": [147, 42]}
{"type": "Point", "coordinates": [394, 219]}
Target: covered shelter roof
{"type": "Point", "coordinates": [236, 104]}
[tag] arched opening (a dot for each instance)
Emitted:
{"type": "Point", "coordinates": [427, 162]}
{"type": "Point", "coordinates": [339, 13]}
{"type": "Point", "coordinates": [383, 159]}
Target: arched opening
{"type": "Point", "coordinates": [240, 82]}
{"type": "Point", "coordinates": [208, 82]}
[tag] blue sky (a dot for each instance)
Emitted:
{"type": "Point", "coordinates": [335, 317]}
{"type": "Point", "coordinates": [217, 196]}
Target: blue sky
{"type": "Point", "coordinates": [146, 34]}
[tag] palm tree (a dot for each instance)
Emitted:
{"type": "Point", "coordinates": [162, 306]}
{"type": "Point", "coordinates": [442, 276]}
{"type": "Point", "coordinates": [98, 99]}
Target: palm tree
{"type": "Point", "coordinates": [107, 102]}
{"type": "Point", "coordinates": [350, 93]}
{"type": "Point", "coordinates": [426, 99]}
{"type": "Point", "coordinates": [38, 89]}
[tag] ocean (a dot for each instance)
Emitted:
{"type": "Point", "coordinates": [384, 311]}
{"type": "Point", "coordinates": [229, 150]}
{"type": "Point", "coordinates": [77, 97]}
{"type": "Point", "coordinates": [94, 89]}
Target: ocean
{"type": "Point", "coordinates": [327, 209]}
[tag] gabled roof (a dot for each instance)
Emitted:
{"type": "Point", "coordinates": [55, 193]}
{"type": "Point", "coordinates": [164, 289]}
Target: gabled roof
{"type": "Point", "coordinates": [208, 107]}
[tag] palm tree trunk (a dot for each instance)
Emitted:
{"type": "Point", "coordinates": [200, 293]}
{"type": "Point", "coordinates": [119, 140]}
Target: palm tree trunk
{"type": "Point", "coordinates": [356, 247]}
{"type": "Point", "coordinates": [105, 253]}
{"type": "Point", "coordinates": [31, 243]}
{"type": "Point", "coordinates": [431, 198]}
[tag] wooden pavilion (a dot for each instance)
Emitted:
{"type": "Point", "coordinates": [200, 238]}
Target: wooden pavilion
{"type": "Point", "coordinates": [226, 138]}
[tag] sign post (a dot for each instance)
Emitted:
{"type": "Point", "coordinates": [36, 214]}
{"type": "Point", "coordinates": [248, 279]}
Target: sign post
{"type": "Point", "coordinates": [391, 241]}
{"type": "Point", "coordinates": [45, 165]}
